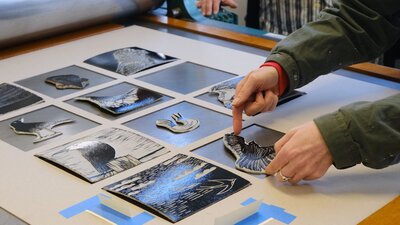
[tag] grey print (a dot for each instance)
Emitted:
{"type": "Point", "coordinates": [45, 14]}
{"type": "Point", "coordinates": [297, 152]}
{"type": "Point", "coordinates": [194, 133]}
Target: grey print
{"type": "Point", "coordinates": [104, 153]}
{"type": "Point", "coordinates": [42, 130]}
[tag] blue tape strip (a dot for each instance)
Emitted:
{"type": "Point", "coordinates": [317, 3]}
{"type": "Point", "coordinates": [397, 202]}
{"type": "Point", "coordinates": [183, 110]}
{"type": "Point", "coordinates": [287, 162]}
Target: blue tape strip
{"type": "Point", "coordinates": [80, 207]}
{"type": "Point", "coordinates": [93, 204]}
{"type": "Point", "coordinates": [266, 212]}
{"type": "Point", "coordinates": [248, 202]}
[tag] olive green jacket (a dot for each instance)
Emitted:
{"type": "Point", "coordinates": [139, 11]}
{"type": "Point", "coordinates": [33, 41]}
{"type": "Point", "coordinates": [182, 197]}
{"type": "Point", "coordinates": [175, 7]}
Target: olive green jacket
{"type": "Point", "coordinates": [351, 31]}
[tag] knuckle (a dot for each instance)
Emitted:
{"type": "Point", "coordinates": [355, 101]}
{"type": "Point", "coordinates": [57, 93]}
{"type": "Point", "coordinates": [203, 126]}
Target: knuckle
{"type": "Point", "coordinates": [284, 153]}
{"type": "Point", "coordinates": [266, 109]}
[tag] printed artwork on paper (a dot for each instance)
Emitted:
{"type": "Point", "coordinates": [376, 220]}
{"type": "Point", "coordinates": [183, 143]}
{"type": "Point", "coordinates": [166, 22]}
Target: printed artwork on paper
{"type": "Point", "coordinates": [13, 98]}
{"type": "Point", "coordinates": [119, 104]}
{"type": "Point", "coordinates": [250, 157]}
{"type": "Point", "coordinates": [179, 187]}
{"type": "Point", "coordinates": [104, 153]}
{"type": "Point", "coordinates": [128, 61]}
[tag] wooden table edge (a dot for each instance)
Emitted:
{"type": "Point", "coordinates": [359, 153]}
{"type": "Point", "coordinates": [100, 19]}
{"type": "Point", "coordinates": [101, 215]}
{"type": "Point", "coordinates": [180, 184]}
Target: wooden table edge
{"type": "Point", "coordinates": [370, 69]}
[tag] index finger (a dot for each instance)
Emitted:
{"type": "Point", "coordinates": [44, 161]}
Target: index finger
{"type": "Point", "coordinates": [237, 113]}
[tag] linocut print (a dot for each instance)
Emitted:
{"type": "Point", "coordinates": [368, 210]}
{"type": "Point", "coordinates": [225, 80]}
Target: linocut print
{"type": "Point", "coordinates": [122, 103]}
{"type": "Point", "coordinates": [128, 61]}
{"type": "Point", "coordinates": [13, 98]}
{"type": "Point", "coordinates": [225, 92]}
{"type": "Point", "coordinates": [250, 157]}
{"type": "Point", "coordinates": [104, 153]}
{"type": "Point", "coordinates": [178, 187]}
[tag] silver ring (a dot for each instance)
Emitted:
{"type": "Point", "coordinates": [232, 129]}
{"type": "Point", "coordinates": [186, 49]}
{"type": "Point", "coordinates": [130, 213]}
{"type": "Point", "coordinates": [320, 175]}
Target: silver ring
{"type": "Point", "coordinates": [284, 178]}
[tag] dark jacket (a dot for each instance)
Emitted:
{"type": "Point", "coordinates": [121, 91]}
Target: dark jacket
{"type": "Point", "coordinates": [351, 31]}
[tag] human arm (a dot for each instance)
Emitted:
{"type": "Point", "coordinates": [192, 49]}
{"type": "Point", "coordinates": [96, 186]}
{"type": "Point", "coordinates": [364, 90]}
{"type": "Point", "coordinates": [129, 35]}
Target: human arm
{"type": "Point", "coordinates": [362, 132]}
{"type": "Point", "coordinates": [354, 31]}
{"type": "Point", "coordinates": [209, 7]}
{"type": "Point", "coordinates": [259, 91]}
{"type": "Point", "coordinates": [349, 32]}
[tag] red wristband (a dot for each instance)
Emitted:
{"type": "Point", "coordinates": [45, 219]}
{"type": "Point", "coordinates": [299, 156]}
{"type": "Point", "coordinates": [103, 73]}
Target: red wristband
{"type": "Point", "coordinates": [282, 76]}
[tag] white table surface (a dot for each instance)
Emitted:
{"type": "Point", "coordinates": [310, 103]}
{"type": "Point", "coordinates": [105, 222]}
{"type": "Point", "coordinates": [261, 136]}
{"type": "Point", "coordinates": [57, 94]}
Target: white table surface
{"type": "Point", "coordinates": [36, 191]}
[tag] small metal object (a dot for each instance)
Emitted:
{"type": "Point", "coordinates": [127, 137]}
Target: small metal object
{"type": "Point", "coordinates": [180, 124]}
{"type": "Point", "coordinates": [68, 81]}
{"type": "Point", "coordinates": [283, 177]}
{"type": "Point", "coordinates": [43, 130]}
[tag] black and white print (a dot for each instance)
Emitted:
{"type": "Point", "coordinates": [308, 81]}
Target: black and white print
{"type": "Point", "coordinates": [226, 91]}
{"type": "Point", "coordinates": [128, 61]}
{"type": "Point", "coordinates": [179, 187]}
{"type": "Point", "coordinates": [119, 104]}
{"type": "Point", "coordinates": [250, 157]}
{"type": "Point", "coordinates": [13, 98]}
{"type": "Point", "coordinates": [104, 153]}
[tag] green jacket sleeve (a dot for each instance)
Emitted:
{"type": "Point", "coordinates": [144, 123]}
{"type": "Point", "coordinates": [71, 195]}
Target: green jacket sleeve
{"type": "Point", "coordinates": [350, 32]}
{"type": "Point", "coordinates": [363, 132]}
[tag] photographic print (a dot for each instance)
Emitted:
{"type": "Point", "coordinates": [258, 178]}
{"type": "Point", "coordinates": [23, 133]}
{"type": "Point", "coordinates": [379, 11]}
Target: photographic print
{"type": "Point", "coordinates": [128, 61]}
{"type": "Point", "coordinates": [179, 187]}
{"type": "Point", "coordinates": [13, 98]}
{"type": "Point", "coordinates": [104, 153]}
{"type": "Point", "coordinates": [119, 104]}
